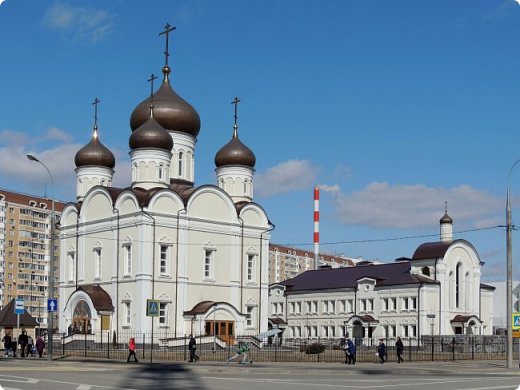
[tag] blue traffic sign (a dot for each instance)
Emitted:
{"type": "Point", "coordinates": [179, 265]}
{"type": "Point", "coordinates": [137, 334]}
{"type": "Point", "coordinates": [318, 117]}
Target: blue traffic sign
{"type": "Point", "coordinates": [152, 308]}
{"type": "Point", "coordinates": [52, 304]}
{"type": "Point", "coordinates": [19, 306]}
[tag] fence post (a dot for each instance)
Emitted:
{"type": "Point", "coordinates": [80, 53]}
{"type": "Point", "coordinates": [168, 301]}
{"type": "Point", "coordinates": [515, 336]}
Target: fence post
{"type": "Point", "coordinates": [472, 348]}
{"type": "Point", "coordinates": [432, 347]}
{"type": "Point", "coordinates": [63, 346]}
{"type": "Point", "coordinates": [275, 349]}
{"type": "Point", "coordinates": [319, 347]}
{"type": "Point", "coordinates": [144, 344]}
{"type": "Point", "coordinates": [184, 349]}
{"type": "Point", "coordinates": [453, 348]}
{"type": "Point", "coordinates": [85, 342]}
{"type": "Point", "coordinates": [108, 344]}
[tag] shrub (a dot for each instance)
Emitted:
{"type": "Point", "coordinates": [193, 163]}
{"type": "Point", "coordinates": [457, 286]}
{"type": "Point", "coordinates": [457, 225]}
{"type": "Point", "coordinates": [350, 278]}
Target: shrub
{"type": "Point", "coordinates": [315, 348]}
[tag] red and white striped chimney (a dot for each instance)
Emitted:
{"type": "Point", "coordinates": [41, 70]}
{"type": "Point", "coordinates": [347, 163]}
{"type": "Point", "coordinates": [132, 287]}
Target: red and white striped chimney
{"type": "Point", "coordinates": [316, 226]}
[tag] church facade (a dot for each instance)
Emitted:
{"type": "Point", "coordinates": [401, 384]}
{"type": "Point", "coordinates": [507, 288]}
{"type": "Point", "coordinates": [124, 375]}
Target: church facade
{"type": "Point", "coordinates": [197, 255]}
{"type": "Point", "coordinates": [435, 292]}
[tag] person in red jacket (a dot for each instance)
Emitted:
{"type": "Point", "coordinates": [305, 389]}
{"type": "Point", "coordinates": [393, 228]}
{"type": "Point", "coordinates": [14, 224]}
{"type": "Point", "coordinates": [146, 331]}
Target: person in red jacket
{"type": "Point", "coordinates": [131, 350]}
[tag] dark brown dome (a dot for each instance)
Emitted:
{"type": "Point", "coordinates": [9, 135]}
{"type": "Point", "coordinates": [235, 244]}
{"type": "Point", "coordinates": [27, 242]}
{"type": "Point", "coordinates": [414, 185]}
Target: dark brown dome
{"type": "Point", "coordinates": [170, 110]}
{"type": "Point", "coordinates": [95, 153]}
{"type": "Point", "coordinates": [151, 135]}
{"type": "Point", "coordinates": [235, 153]}
{"type": "Point", "coordinates": [446, 218]}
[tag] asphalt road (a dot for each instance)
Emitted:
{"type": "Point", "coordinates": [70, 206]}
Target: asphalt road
{"type": "Point", "coordinates": [31, 374]}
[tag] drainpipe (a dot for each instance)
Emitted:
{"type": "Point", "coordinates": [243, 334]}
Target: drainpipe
{"type": "Point", "coordinates": [153, 262]}
{"type": "Point", "coordinates": [260, 282]}
{"type": "Point", "coordinates": [241, 264]}
{"type": "Point", "coordinates": [77, 254]}
{"type": "Point", "coordinates": [177, 275]}
{"type": "Point", "coordinates": [440, 297]}
{"type": "Point", "coordinates": [419, 311]}
{"type": "Point", "coordinates": [117, 274]}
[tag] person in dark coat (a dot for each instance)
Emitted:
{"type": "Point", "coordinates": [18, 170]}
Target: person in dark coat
{"type": "Point", "coordinates": [192, 346]}
{"type": "Point", "coordinates": [381, 351]}
{"type": "Point", "coordinates": [40, 345]}
{"type": "Point", "coordinates": [7, 343]}
{"type": "Point", "coordinates": [351, 352]}
{"type": "Point", "coordinates": [399, 348]}
{"type": "Point", "coordinates": [22, 342]}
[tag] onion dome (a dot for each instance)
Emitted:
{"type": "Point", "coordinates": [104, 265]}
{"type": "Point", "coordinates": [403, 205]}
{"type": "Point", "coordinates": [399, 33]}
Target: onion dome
{"type": "Point", "coordinates": [151, 135]}
{"type": "Point", "coordinates": [235, 153]}
{"type": "Point", "coordinates": [95, 153]}
{"type": "Point", "coordinates": [170, 110]}
{"type": "Point", "coordinates": [446, 218]}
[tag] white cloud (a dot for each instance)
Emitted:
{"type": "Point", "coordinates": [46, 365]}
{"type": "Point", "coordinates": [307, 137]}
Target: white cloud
{"type": "Point", "coordinates": [55, 134]}
{"type": "Point", "coordinates": [381, 205]}
{"type": "Point", "coordinates": [285, 177]}
{"type": "Point", "coordinates": [334, 189]}
{"type": "Point", "coordinates": [80, 23]}
{"type": "Point", "coordinates": [14, 138]}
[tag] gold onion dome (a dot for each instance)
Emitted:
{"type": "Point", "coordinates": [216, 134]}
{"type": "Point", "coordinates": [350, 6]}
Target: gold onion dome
{"type": "Point", "coordinates": [95, 153]}
{"type": "Point", "coordinates": [170, 110]}
{"type": "Point", "coordinates": [235, 153]}
{"type": "Point", "coordinates": [151, 135]}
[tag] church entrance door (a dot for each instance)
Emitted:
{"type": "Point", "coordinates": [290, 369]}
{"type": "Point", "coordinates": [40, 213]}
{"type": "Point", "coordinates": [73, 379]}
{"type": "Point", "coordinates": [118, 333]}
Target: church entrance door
{"type": "Point", "coordinates": [224, 330]}
{"type": "Point", "coordinates": [81, 318]}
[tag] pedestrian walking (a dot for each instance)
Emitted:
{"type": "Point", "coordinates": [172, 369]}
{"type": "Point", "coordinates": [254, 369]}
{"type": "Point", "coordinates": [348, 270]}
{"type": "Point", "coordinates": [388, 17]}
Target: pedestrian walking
{"type": "Point", "coordinates": [192, 346]}
{"type": "Point", "coordinates": [7, 343]}
{"type": "Point", "coordinates": [345, 348]}
{"type": "Point", "coordinates": [381, 351]}
{"type": "Point", "coordinates": [399, 348]}
{"type": "Point", "coordinates": [22, 342]}
{"type": "Point", "coordinates": [131, 350]}
{"type": "Point", "coordinates": [30, 346]}
{"type": "Point", "coordinates": [351, 352]}
{"type": "Point", "coordinates": [40, 345]}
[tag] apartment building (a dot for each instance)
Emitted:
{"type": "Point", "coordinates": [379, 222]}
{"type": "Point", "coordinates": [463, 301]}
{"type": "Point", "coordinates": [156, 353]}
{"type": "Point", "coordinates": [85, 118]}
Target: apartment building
{"type": "Point", "coordinates": [287, 262]}
{"type": "Point", "coordinates": [25, 232]}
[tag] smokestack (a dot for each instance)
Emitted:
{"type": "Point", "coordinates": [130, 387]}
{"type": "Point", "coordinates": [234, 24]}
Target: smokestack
{"type": "Point", "coordinates": [316, 225]}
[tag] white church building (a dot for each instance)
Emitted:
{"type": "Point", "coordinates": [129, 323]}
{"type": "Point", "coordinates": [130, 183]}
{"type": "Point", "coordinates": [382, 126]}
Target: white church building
{"type": "Point", "coordinates": [200, 253]}
{"type": "Point", "coordinates": [436, 292]}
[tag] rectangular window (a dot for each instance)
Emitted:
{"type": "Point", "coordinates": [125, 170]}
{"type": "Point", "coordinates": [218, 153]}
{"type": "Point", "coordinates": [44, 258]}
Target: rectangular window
{"type": "Point", "coordinates": [393, 329]}
{"type": "Point", "coordinates": [97, 262]}
{"type": "Point", "coordinates": [405, 330]}
{"type": "Point", "coordinates": [370, 305]}
{"type": "Point", "coordinates": [332, 307]}
{"type": "Point", "coordinates": [298, 307]}
{"type": "Point", "coordinates": [362, 304]}
{"type": "Point", "coordinates": [250, 267]}
{"type": "Point", "coordinates": [163, 313]}
{"type": "Point", "coordinates": [405, 303]}
{"type": "Point", "coordinates": [309, 307]}
{"type": "Point", "coordinates": [394, 304]}
{"type": "Point", "coordinates": [127, 313]}
{"type": "Point", "coordinates": [72, 265]}
{"type": "Point", "coordinates": [384, 303]}
{"type": "Point", "coordinates": [351, 306]}
{"type": "Point", "coordinates": [413, 303]}
{"type": "Point", "coordinates": [128, 259]}
{"type": "Point", "coordinates": [292, 307]}
{"type": "Point", "coordinates": [163, 260]}
{"type": "Point", "coordinates": [249, 316]}
{"type": "Point", "coordinates": [208, 263]}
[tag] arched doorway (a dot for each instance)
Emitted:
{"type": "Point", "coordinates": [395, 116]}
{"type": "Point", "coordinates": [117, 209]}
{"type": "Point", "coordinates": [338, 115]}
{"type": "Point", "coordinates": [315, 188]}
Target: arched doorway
{"type": "Point", "coordinates": [358, 332]}
{"type": "Point", "coordinates": [81, 318]}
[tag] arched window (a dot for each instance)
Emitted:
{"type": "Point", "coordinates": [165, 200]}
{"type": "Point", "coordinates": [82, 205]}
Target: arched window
{"type": "Point", "coordinates": [181, 158]}
{"type": "Point", "coordinates": [426, 271]}
{"type": "Point", "coordinates": [161, 173]}
{"type": "Point", "coordinates": [458, 284]}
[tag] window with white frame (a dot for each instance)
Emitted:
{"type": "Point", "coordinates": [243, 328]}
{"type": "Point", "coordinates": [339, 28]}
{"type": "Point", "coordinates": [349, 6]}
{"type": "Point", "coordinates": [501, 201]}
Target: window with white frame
{"type": "Point", "coordinates": [370, 304]}
{"type": "Point", "coordinates": [413, 330]}
{"type": "Point", "coordinates": [405, 303]}
{"type": "Point", "coordinates": [308, 305]}
{"type": "Point", "coordinates": [97, 263]}
{"type": "Point", "coordinates": [298, 307]}
{"type": "Point", "coordinates": [163, 313]}
{"type": "Point", "coordinates": [413, 303]}
{"type": "Point", "coordinates": [251, 260]}
{"type": "Point", "coordinates": [362, 305]}
{"type": "Point", "coordinates": [394, 304]}
{"type": "Point", "coordinates": [127, 313]}
{"type": "Point", "coordinates": [350, 306]}
{"type": "Point", "coordinates": [314, 307]}
{"type": "Point", "coordinates": [385, 331]}
{"type": "Point", "coordinates": [405, 330]}
{"type": "Point", "coordinates": [384, 303]}
{"type": "Point", "coordinates": [249, 316]}
{"type": "Point", "coordinates": [292, 307]}
{"type": "Point", "coordinates": [127, 248]}
{"type": "Point", "coordinates": [163, 259]}
{"type": "Point", "coordinates": [393, 330]}
{"type": "Point", "coordinates": [181, 161]}
{"type": "Point", "coordinates": [332, 307]}
{"type": "Point", "coordinates": [280, 308]}
{"type": "Point", "coordinates": [209, 260]}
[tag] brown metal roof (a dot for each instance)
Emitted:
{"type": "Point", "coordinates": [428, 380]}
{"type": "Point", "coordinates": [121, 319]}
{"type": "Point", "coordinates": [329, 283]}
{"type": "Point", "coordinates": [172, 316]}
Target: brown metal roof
{"type": "Point", "coordinates": [203, 307]}
{"type": "Point", "coordinates": [434, 250]}
{"type": "Point", "coordinates": [464, 318]}
{"type": "Point", "coordinates": [387, 274]}
{"type": "Point", "coordinates": [9, 319]}
{"type": "Point", "coordinates": [24, 199]}
{"type": "Point", "coordinates": [100, 298]}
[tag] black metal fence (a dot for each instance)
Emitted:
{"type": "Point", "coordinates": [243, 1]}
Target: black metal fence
{"type": "Point", "coordinates": [165, 346]}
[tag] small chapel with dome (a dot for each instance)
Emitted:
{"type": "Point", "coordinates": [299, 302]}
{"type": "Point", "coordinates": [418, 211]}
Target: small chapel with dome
{"type": "Point", "coordinates": [162, 253]}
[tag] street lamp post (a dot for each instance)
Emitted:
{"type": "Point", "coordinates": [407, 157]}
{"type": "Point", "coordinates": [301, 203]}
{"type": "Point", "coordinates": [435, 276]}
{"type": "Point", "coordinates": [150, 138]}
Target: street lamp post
{"type": "Point", "coordinates": [509, 282]}
{"type": "Point", "coordinates": [50, 315]}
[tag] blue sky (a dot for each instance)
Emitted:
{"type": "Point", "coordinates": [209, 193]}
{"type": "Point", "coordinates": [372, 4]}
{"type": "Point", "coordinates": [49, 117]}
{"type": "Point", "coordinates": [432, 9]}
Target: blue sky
{"type": "Point", "coordinates": [392, 107]}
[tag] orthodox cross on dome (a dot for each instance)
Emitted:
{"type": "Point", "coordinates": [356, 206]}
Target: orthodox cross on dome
{"type": "Point", "coordinates": [446, 206]}
{"type": "Point", "coordinates": [150, 80]}
{"type": "Point", "coordinates": [95, 104]}
{"type": "Point", "coordinates": [167, 29]}
{"type": "Point", "coordinates": [235, 101]}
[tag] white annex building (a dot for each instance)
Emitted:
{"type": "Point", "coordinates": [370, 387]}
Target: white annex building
{"type": "Point", "coordinates": [436, 292]}
{"type": "Point", "coordinates": [201, 252]}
